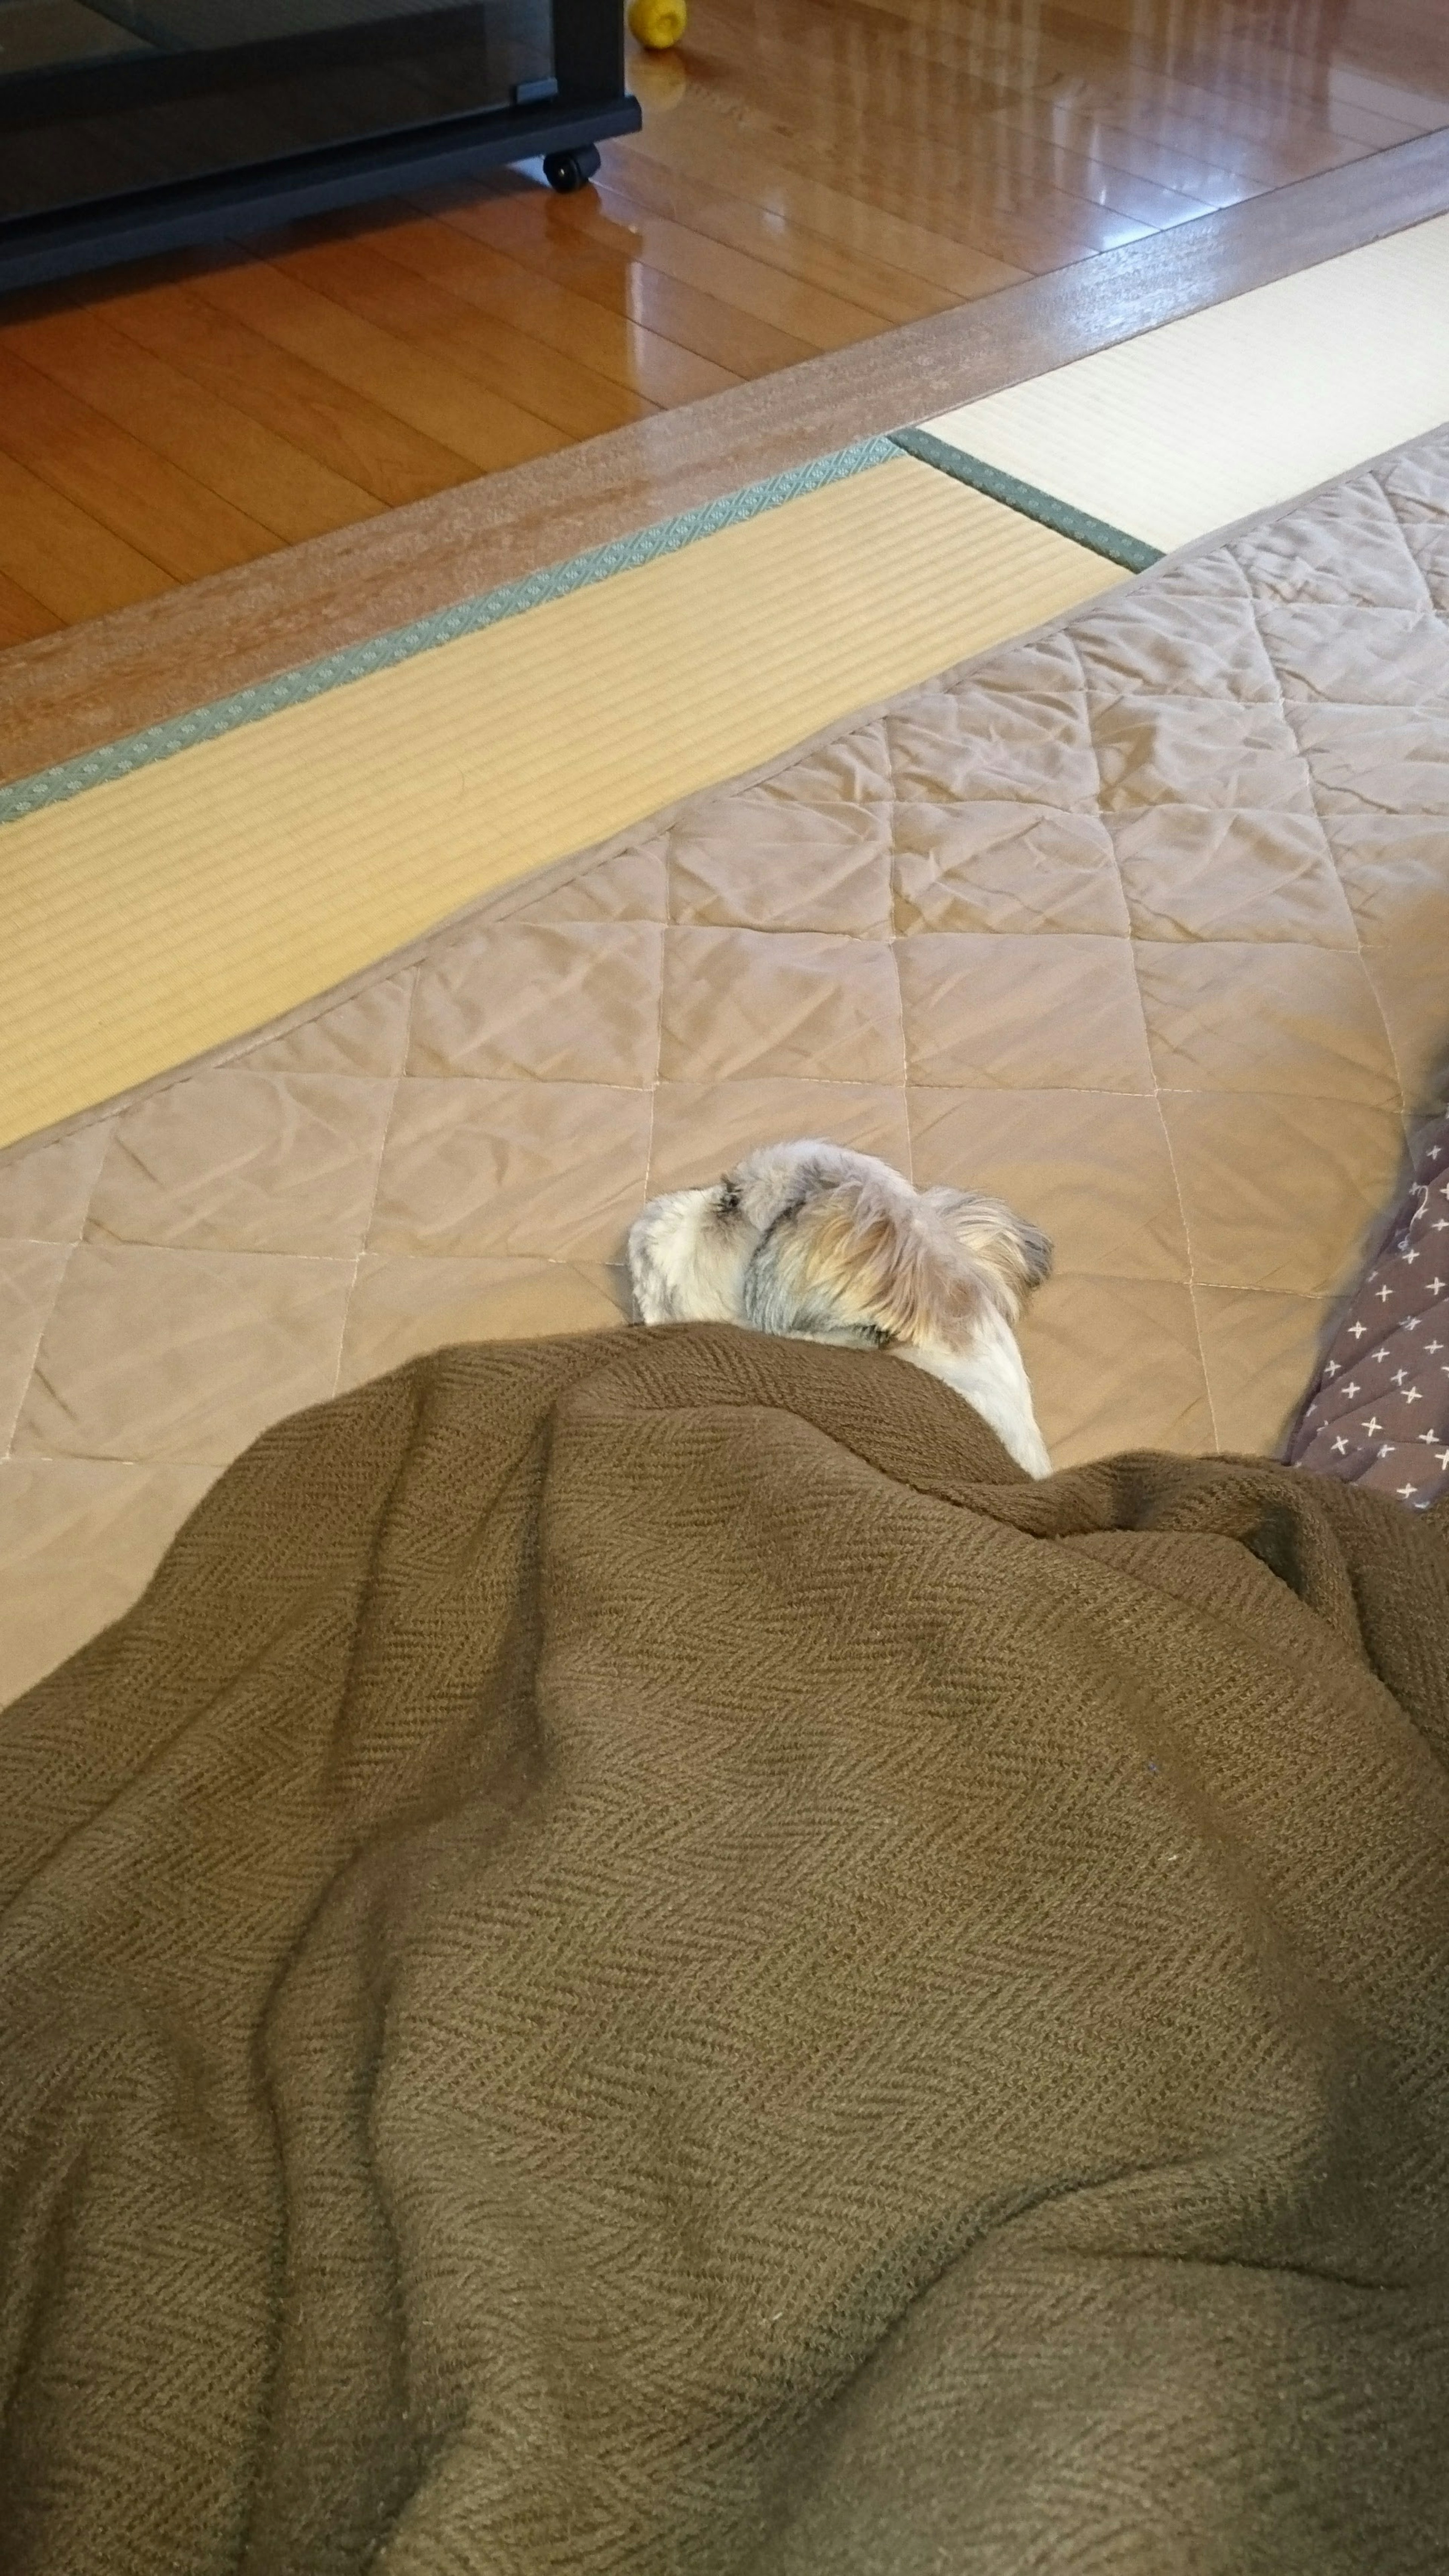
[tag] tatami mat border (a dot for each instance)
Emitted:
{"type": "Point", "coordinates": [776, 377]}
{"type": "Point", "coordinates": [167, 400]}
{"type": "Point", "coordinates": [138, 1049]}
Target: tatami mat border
{"type": "Point", "coordinates": [469, 616]}
{"type": "Point", "coordinates": [1132, 553]}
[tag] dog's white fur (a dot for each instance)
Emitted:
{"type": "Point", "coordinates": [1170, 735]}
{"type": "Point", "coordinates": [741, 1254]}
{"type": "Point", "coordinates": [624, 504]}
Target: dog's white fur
{"type": "Point", "coordinates": [810, 1240]}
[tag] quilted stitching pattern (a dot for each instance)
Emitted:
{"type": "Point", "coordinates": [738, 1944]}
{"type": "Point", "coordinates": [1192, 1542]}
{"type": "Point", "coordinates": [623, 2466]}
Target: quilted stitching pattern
{"type": "Point", "coordinates": [1143, 923]}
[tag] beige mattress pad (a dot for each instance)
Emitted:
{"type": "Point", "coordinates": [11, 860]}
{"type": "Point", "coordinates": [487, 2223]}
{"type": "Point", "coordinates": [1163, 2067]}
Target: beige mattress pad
{"type": "Point", "coordinates": [1142, 922]}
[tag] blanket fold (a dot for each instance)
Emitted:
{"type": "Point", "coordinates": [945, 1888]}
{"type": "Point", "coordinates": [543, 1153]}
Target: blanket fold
{"type": "Point", "coordinates": [643, 1958]}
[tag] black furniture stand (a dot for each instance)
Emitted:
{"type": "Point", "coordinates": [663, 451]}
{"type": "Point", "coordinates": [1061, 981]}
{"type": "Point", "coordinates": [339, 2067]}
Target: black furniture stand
{"type": "Point", "coordinates": [134, 126]}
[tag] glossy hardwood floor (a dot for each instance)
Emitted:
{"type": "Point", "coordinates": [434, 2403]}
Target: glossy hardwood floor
{"type": "Point", "coordinates": [811, 172]}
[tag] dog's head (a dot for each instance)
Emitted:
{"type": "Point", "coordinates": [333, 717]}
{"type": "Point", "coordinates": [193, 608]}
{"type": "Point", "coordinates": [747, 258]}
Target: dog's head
{"type": "Point", "coordinates": [810, 1239]}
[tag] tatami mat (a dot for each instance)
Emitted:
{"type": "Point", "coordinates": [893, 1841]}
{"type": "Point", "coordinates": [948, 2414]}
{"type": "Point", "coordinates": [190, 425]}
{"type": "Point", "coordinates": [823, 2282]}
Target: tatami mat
{"type": "Point", "coordinates": [1229, 411]}
{"type": "Point", "coordinates": [164, 912]}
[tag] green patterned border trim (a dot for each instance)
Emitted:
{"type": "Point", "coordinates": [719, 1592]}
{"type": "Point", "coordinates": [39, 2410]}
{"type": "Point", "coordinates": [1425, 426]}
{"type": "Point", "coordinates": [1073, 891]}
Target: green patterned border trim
{"type": "Point", "coordinates": [1130, 552]}
{"type": "Point", "coordinates": [381, 652]}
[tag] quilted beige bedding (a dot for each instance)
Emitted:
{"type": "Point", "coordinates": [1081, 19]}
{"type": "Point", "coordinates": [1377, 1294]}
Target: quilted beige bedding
{"type": "Point", "coordinates": [1142, 921]}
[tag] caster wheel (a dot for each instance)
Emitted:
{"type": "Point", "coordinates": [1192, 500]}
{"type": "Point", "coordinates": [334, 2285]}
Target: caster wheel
{"type": "Point", "coordinates": [566, 171]}
{"type": "Point", "coordinates": [657, 23]}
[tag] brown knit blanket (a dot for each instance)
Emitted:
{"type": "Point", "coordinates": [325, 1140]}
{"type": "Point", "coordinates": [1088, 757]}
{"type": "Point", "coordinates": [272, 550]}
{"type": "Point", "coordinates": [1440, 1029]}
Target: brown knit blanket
{"type": "Point", "coordinates": [641, 1959]}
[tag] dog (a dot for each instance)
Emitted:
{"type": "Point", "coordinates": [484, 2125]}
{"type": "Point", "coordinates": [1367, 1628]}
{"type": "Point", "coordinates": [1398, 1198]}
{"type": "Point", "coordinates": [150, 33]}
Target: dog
{"type": "Point", "coordinates": [813, 1241]}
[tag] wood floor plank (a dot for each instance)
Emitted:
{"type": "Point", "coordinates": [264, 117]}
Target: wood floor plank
{"type": "Point", "coordinates": [62, 556]}
{"type": "Point", "coordinates": [708, 149]}
{"type": "Point", "coordinates": [1273, 140]}
{"type": "Point", "coordinates": [275, 482]}
{"type": "Point", "coordinates": [1044, 156]}
{"type": "Point", "coordinates": [860, 76]}
{"type": "Point", "coordinates": [1369, 125]}
{"type": "Point", "coordinates": [118, 480]}
{"type": "Point", "coordinates": [332, 256]}
{"type": "Point", "coordinates": [1267, 154]}
{"type": "Point", "coordinates": [790, 304]}
{"type": "Point", "coordinates": [839, 56]}
{"type": "Point", "coordinates": [356, 437]}
{"type": "Point", "coordinates": [605, 263]}
{"type": "Point", "coordinates": [22, 616]}
{"type": "Point", "coordinates": [1276, 142]}
{"type": "Point", "coordinates": [1397, 44]}
{"type": "Point", "coordinates": [427, 396]}
{"type": "Point", "coordinates": [616, 345]}
{"type": "Point", "coordinates": [918, 81]}
{"type": "Point", "coordinates": [1186, 125]}
{"type": "Point", "coordinates": [888, 294]}
{"type": "Point", "coordinates": [1095, 132]}
{"type": "Point", "coordinates": [1251, 58]}
{"type": "Point", "coordinates": [1284, 136]}
{"type": "Point", "coordinates": [851, 55]}
{"type": "Point", "coordinates": [906, 145]}
{"type": "Point", "coordinates": [1015, 208]}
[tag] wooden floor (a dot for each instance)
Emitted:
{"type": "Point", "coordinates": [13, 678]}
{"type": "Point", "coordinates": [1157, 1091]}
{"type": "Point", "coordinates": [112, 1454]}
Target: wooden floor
{"type": "Point", "coordinates": [811, 172]}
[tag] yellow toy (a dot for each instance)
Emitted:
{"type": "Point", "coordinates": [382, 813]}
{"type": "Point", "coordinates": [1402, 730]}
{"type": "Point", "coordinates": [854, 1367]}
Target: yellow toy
{"type": "Point", "coordinates": [657, 24]}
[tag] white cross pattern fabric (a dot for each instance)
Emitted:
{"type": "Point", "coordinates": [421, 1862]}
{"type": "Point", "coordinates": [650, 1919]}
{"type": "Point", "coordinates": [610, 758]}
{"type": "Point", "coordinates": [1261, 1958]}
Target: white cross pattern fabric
{"type": "Point", "coordinates": [1379, 1412]}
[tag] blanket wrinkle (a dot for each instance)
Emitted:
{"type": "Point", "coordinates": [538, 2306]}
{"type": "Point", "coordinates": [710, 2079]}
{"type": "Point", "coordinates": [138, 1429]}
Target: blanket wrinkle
{"type": "Point", "coordinates": [641, 1959]}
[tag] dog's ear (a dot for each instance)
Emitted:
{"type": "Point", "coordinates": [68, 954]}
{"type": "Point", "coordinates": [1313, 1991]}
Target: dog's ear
{"type": "Point", "coordinates": [1013, 1256]}
{"type": "Point", "coordinates": [858, 1261]}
